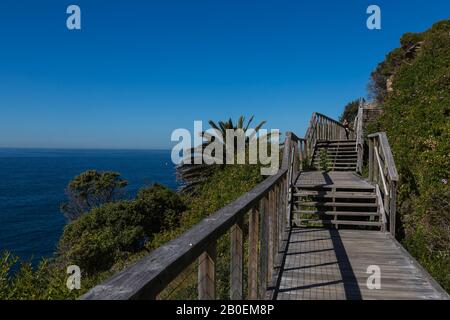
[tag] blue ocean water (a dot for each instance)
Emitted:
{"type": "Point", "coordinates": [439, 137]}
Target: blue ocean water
{"type": "Point", "coordinates": [33, 182]}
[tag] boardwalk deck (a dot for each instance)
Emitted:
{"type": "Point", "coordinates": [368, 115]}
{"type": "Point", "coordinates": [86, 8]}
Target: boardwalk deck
{"type": "Point", "coordinates": [322, 264]}
{"type": "Point", "coordinates": [331, 179]}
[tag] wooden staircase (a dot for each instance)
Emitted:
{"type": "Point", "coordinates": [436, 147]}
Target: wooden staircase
{"type": "Point", "coordinates": [341, 155]}
{"type": "Point", "coordinates": [349, 206]}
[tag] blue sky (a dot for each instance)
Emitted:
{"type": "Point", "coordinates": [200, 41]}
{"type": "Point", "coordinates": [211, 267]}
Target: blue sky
{"type": "Point", "coordinates": [139, 69]}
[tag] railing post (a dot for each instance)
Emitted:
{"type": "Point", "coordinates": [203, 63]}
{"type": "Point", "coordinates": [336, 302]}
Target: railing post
{"type": "Point", "coordinates": [375, 163]}
{"type": "Point", "coordinates": [275, 220]}
{"type": "Point", "coordinates": [264, 248]}
{"type": "Point", "coordinates": [280, 214]}
{"type": "Point", "coordinates": [271, 238]}
{"type": "Point", "coordinates": [301, 155]}
{"type": "Point", "coordinates": [392, 207]}
{"type": "Point", "coordinates": [371, 162]}
{"type": "Point", "coordinates": [253, 238]}
{"type": "Point", "coordinates": [236, 265]}
{"type": "Point", "coordinates": [207, 274]}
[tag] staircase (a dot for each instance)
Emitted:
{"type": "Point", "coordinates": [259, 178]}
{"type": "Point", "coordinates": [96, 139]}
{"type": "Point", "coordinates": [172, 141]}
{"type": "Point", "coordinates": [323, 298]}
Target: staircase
{"type": "Point", "coordinates": [337, 204]}
{"type": "Point", "coordinates": [340, 155]}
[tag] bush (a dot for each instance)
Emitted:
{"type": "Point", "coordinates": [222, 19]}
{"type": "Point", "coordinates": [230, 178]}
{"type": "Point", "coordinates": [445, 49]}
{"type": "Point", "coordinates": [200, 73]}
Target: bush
{"type": "Point", "coordinates": [20, 281]}
{"type": "Point", "coordinates": [417, 121]}
{"type": "Point", "coordinates": [114, 231]}
{"type": "Point", "coordinates": [350, 111]}
{"type": "Point", "coordinates": [89, 190]}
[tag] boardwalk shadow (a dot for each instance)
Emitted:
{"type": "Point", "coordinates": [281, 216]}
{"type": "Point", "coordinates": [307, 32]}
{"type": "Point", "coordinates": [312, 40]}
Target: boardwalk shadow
{"type": "Point", "coordinates": [351, 287]}
{"type": "Point", "coordinates": [342, 265]}
{"type": "Point", "coordinates": [327, 178]}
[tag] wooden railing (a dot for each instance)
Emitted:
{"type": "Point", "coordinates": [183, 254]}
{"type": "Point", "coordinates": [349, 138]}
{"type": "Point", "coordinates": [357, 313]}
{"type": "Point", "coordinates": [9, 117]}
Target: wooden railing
{"type": "Point", "coordinates": [358, 130]}
{"type": "Point", "coordinates": [322, 127]}
{"type": "Point", "coordinates": [268, 210]}
{"type": "Point", "coordinates": [383, 172]}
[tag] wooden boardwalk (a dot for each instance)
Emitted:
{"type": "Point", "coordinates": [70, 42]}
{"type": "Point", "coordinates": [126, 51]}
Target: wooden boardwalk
{"type": "Point", "coordinates": [331, 179]}
{"type": "Point", "coordinates": [322, 264]}
{"type": "Point", "coordinates": [331, 264]}
{"type": "Point", "coordinates": [312, 235]}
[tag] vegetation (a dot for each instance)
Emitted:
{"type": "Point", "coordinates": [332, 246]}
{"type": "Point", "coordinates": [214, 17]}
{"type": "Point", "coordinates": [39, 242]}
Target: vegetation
{"type": "Point", "coordinates": [323, 160]}
{"type": "Point", "coordinates": [113, 235]}
{"type": "Point", "coordinates": [89, 190]}
{"type": "Point", "coordinates": [192, 175]}
{"type": "Point", "coordinates": [116, 230]}
{"type": "Point", "coordinates": [350, 111]}
{"type": "Point", "coordinates": [417, 121]}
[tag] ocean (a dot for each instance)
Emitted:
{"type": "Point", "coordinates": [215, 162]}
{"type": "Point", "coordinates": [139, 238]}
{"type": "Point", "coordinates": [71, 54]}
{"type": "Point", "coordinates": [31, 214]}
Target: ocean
{"type": "Point", "coordinates": [33, 183]}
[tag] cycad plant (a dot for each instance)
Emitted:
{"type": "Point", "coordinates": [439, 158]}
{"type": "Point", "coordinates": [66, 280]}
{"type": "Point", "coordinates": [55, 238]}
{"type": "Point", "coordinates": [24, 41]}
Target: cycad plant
{"type": "Point", "coordinates": [192, 175]}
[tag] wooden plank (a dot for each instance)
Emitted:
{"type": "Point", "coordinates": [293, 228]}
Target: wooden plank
{"type": "Point", "coordinates": [207, 274]}
{"type": "Point", "coordinates": [337, 204]}
{"type": "Point", "coordinates": [237, 261]}
{"type": "Point", "coordinates": [253, 254]}
{"type": "Point", "coordinates": [337, 213]}
{"type": "Point", "coordinates": [264, 249]}
{"type": "Point", "coordinates": [271, 238]}
{"type": "Point", "coordinates": [312, 271]}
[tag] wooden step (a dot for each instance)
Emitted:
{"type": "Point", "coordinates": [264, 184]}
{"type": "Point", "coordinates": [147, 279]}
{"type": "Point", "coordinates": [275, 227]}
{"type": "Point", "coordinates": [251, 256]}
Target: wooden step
{"type": "Point", "coordinates": [336, 149]}
{"type": "Point", "coordinates": [337, 213]}
{"type": "Point", "coordinates": [332, 147]}
{"type": "Point", "coordinates": [336, 204]}
{"type": "Point", "coordinates": [321, 187]}
{"type": "Point", "coordinates": [349, 157]}
{"type": "Point", "coordinates": [342, 222]}
{"type": "Point", "coordinates": [348, 195]}
{"type": "Point", "coordinates": [337, 167]}
{"type": "Point", "coordinates": [336, 161]}
{"type": "Point", "coordinates": [337, 152]}
{"type": "Point", "coordinates": [335, 141]}
{"type": "Point", "coordinates": [344, 169]}
{"type": "Point", "coordinates": [341, 153]}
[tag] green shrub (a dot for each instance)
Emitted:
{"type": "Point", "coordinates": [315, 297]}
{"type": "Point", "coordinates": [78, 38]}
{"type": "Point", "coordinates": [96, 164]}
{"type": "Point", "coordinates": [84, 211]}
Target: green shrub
{"type": "Point", "coordinates": [117, 230]}
{"type": "Point", "coordinates": [417, 121]}
{"type": "Point", "coordinates": [91, 189]}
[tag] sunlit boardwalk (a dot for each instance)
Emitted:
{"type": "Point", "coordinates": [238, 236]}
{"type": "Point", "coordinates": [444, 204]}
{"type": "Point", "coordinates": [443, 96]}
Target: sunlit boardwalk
{"type": "Point", "coordinates": [323, 264]}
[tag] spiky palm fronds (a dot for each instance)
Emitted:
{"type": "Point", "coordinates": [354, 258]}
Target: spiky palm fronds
{"type": "Point", "coordinates": [192, 175]}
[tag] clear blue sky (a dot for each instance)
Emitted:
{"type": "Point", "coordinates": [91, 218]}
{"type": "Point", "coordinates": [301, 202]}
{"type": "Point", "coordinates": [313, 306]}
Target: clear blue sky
{"type": "Point", "coordinates": [139, 69]}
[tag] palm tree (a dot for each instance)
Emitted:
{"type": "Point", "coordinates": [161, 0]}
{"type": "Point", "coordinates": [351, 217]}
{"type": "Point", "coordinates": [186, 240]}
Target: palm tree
{"type": "Point", "coordinates": [192, 175]}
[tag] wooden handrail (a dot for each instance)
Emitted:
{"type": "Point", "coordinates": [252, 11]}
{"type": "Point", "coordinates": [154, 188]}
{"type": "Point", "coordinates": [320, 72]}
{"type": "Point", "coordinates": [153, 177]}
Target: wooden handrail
{"type": "Point", "coordinates": [330, 119]}
{"type": "Point", "coordinates": [359, 137]}
{"type": "Point", "coordinates": [322, 127]}
{"type": "Point", "coordinates": [382, 167]}
{"type": "Point", "coordinates": [266, 204]}
{"type": "Point", "coordinates": [387, 152]}
{"type": "Point", "coordinates": [382, 212]}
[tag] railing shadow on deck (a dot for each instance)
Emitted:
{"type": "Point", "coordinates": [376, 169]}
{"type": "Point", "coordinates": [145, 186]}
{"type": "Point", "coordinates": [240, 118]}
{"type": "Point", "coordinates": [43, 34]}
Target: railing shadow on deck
{"type": "Point", "coordinates": [348, 277]}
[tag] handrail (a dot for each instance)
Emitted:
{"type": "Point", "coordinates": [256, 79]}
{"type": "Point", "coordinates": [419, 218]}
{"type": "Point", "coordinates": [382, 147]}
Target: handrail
{"type": "Point", "coordinates": [322, 127]}
{"type": "Point", "coordinates": [381, 209]}
{"type": "Point", "coordinates": [382, 167]}
{"type": "Point", "coordinates": [359, 137]}
{"type": "Point", "coordinates": [269, 215]}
